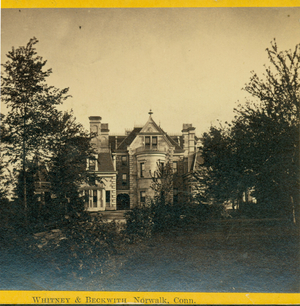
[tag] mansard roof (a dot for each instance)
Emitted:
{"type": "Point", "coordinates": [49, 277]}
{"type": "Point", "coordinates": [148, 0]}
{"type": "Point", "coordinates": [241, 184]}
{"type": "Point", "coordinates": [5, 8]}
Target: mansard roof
{"type": "Point", "coordinates": [105, 163]}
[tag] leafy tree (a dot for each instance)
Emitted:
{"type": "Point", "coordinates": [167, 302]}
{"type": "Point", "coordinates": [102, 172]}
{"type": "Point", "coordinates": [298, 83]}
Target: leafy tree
{"type": "Point", "coordinates": [70, 148]}
{"type": "Point", "coordinates": [266, 133]}
{"type": "Point", "coordinates": [260, 148]}
{"type": "Point", "coordinates": [162, 182]}
{"type": "Point", "coordinates": [219, 172]}
{"type": "Point", "coordinates": [31, 104]}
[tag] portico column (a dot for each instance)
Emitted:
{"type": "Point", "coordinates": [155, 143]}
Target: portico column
{"type": "Point", "coordinates": [103, 198]}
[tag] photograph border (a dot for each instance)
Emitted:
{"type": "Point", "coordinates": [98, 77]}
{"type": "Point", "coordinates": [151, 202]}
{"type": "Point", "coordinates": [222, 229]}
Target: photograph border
{"type": "Point", "coordinates": [116, 297]}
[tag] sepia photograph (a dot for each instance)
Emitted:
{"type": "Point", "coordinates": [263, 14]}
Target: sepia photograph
{"type": "Point", "coordinates": [150, 150]}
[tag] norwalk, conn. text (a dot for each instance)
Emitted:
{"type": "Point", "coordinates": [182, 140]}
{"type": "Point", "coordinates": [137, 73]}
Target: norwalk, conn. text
{"type": "Point", "coordinates": [160, 300]}
{"type": "Point", "coordinates": [100, 300]}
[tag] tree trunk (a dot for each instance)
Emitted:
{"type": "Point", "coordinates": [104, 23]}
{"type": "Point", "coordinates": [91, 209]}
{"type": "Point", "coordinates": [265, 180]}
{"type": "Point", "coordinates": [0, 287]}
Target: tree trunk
{"type": "Point", "coordinates": [24, 171]}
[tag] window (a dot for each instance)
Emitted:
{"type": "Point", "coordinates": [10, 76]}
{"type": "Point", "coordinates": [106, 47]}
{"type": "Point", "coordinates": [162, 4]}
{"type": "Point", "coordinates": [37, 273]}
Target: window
{"type": "Point", "coordinates": [151, 142]}
{"type": "Point", "coordinates": [107, 196]}
{"type": "Point", "coordinates": [92, 164]}
{"type": "Point", "coordinates": [124, 179]}
{"type": "Point", "coordinates": [175, 166]}
{"type": "Point", "coordinates": [147, 142]}
{"type": "Point", "coordinates": [142, 169]}
{"type": "Point", "coordinates": [154, 142]}
{"type": "Point", "coordinates": [143, 196]}
{"type": "Point", "coordinates": [124, 160]}
{"type": "Point", "coordinates": [95, 198]}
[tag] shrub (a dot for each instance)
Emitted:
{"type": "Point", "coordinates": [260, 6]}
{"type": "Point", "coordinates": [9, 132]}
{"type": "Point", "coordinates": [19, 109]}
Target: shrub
{"type": "Point", "coordinates": [139, 222]}
{"type": "Point", "coordinates": [87, 234]}
{"type": "Point", "coordinates": [155, 216]}
{"type": "Point", "coordinates": [85, 241]}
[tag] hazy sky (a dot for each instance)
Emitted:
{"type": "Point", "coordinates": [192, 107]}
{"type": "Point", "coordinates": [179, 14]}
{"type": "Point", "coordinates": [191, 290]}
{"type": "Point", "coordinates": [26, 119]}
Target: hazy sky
{"type": "Point", "coordinates": [187, 65]}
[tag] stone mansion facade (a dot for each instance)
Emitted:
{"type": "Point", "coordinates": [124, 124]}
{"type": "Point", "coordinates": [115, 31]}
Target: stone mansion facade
{"type": "Point", "coordinates": [123, 164]}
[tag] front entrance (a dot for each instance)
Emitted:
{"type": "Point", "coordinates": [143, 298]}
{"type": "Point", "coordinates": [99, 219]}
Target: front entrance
{"type": "Point", "coordinates": [123, 201]}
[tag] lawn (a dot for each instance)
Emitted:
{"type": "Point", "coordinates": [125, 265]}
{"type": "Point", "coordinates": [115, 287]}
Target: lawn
{"type": "Point", "coordinates": [217, 256]}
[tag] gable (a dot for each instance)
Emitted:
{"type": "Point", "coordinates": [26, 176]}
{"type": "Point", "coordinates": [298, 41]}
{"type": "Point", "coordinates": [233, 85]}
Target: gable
{"type": "Point", "coordinates": [151, 127]}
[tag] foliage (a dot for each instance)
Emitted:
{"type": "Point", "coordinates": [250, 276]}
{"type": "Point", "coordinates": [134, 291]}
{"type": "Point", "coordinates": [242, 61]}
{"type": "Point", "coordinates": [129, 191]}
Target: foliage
{"type": "Point", "coordinates": [220, 173]}
{"type": "Point", "coordinates": [89, 233]}
{"type": "Point", "coordinates": [70, 149]}
{"type": "Point", "coordinates": [162, 182]}
{"type": "Point", "coordinates": [271, 130]}
{"type": "Point", "coordinates": [157, 217]}
{"type": "Point", "coordinates": [84, 240]}
{"type": "Point", "coordinates": [139, 222]}
{"type": "Point", "coordinates": [161, 213]}
{"type": "Point", "coordinates": [32, 107]}
{"type": "Point", "coordinates": [37, 129]}
{"type": "Point", "coordinates": [31, 102]}
{"type": "Point", "coordinates": [259, 150]}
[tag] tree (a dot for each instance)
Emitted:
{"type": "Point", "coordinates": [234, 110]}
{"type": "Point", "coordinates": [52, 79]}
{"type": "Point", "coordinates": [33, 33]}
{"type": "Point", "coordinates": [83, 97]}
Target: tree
{"type": "Point", "coordinates": [219, 173]}
{"type": "Point", "coordinates": [31, 104]}
{"type": "Point", "coordinates": [70, 148]}
{"type": "Point", "coordinates": [4, 174]}
{"type": "Point", "coordinates": [162, 182]}
{"type": "Point", "coordinates": [260, 148]}
{"type": "Point", "coordinates": [266, 133]}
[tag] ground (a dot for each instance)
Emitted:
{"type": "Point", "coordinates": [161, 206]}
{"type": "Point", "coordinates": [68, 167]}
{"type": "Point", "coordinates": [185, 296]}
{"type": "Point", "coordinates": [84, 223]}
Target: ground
{"type": "Point", "coordinates": [216, 256]}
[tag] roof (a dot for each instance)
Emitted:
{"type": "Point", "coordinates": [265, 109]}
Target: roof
{"type": "Point", "coordinates": [105, 163]}
{"type": "Point", "coordinates": [124, 141]}
{"type": "Point", "coordinates": [129, 139]}
{"type": "Point", "coordinates": [115, 139]}
{"type": "Point", "coordinates": [174, 143]}
{"type": "Point", "coordinates": [198, 161]}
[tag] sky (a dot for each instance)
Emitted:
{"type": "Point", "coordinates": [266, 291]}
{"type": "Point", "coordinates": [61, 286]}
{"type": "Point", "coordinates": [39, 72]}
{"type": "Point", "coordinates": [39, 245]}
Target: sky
{"type": "Point", "coordinates": [188, 65]}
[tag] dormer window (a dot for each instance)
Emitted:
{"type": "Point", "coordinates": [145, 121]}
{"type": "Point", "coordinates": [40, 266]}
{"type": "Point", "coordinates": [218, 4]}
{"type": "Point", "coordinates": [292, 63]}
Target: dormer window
{"type": "Point", "coordinates": [154, 142]}
{"type": "Point", "coordinates": [151, 142]}
{"type": "Point", "coordinates": [147, 142]}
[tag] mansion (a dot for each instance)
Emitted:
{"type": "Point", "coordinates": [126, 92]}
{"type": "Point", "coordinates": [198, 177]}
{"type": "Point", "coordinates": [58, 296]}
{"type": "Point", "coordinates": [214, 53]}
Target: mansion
{"type": "Point", "coordinates": [123, 165]}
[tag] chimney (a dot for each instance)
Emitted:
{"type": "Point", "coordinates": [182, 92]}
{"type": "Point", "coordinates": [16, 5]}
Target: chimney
{"type": "Point", "coordinates": [191, 137]}
{"type": "Point", "coordinates": [104, 138]}
{"type": "Point", "coordinates": [95, 129]}
{"type": "Point", "coordinates": [188, 133]}
{"type": "Point", "coordinates": [185, 135]}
